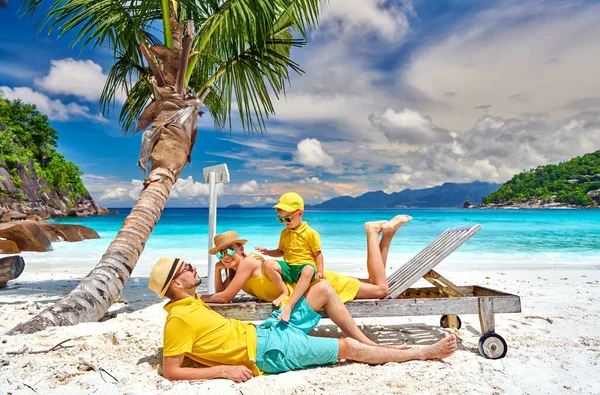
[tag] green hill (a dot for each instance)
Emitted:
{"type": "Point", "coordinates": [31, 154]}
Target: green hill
{"type": "Point", "coordinates": [34, 177]}
{"type": "Point", "coordinates": [575, 182]}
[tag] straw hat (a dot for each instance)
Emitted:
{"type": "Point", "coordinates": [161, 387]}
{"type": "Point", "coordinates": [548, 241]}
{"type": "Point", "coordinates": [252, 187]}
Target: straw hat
{"type": "Point", "coordinates": [162, 273]}
{"type": "Point", "coordinates": [224, 240]}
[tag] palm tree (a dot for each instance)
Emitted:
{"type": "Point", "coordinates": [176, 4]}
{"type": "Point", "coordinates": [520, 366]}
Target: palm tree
{"type": "Point", "coordinates": [241, 53]}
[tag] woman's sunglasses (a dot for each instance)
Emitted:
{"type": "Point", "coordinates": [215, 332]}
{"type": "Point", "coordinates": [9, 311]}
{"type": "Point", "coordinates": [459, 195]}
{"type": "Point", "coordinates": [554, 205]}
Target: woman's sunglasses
{"type": "Point", "coordinates": [287, 219]}
{"type": "Point", "coordinates": [229, 251]}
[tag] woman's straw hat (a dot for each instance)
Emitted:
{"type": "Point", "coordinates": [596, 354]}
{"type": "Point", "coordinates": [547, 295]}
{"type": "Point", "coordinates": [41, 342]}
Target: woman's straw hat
{"type": "Point", "coordinates": [224, 240]}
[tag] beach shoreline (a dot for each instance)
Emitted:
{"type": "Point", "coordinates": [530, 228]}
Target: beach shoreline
{"type": "Point", "coordinates": [554, 344]}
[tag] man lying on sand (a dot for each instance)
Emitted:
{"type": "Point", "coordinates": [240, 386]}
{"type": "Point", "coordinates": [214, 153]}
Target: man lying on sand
{"type": "Point", "coordinates": [237, 350]}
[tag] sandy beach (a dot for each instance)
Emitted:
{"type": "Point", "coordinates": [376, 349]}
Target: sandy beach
{"type": "Point", "coordinates": [554, 344]}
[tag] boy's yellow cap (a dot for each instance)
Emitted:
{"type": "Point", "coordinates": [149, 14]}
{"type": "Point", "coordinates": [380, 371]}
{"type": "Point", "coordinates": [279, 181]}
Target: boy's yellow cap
{"type": "Point", "coordinates": [290, 202]}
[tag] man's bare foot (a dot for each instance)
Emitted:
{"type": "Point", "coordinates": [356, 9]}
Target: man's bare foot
{"type": "Point", "coordinates": [277, 302]}
{"type": "Point", "coordinates": [285, 313]}
{"type": "Point", "coordinates": [374, 226]}
{"type": "Point", "coordinates": [442, 349]}
{"type": "Point", "coordinates": [391, 226]}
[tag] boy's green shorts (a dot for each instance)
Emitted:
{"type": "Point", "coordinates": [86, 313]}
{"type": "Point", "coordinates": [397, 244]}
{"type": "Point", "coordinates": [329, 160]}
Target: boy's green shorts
{"type": "Point", "coordinates": [291, 273]}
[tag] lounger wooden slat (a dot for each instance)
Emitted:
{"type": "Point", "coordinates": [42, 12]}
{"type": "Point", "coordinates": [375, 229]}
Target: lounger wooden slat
{"type": "Point", "coordinates": [428, 258]}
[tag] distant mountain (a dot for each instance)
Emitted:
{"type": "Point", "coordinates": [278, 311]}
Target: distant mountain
{"type": "Point", "coordinates": [447, 195]}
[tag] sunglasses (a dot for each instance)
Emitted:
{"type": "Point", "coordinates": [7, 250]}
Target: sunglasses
{"type": "Point", "coordinates": [186, 268]}
{"type": "Point", "coordinates": [229, 251]}
{"type": "Point", "coordinates": [287, 219]}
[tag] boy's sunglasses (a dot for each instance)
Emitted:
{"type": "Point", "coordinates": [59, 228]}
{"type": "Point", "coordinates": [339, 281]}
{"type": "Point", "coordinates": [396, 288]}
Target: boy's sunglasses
{"type": "Point", "coordinates": [286, 219]}
{"type": "Point", "coordinates": [229, 251]}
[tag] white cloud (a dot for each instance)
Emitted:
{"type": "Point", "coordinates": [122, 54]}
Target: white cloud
{"type": "Point", "coordinates": [81, 78]}
{"type": "Point", "coordinates": [519, 57]}
{"type": "Point", "coordinates": [310, 153]}
{"type": "Point", "coordinates": [248, 187]}
{"type": "Point", "coordinates": [187, 189]}
{"type": "Point", "coordinates": [53, 108]}
{"type": "Point", "coordinates": [357, 17]}
{"type": "Point", "coordinates": [184, 190]}
{"type": "Point", "coordinates": [123, 193]}
{"type": "Point", "coordinates": [311, 180]}
{"type": "Point", "coordinates": [408, 126]}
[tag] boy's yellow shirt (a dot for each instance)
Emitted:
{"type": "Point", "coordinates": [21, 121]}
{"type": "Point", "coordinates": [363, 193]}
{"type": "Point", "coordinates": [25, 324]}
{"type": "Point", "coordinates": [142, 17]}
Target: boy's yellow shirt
{"type": "Point", "coordinates": [299, 245]}
{"type": "Point", "coordinates": [194, 329]}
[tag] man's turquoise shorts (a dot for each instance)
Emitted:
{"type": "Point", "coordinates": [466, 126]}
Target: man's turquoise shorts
{"type": "Point", "coordinates": [284, 346]}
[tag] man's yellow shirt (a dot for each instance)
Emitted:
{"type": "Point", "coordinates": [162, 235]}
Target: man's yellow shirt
{"type": "Point", "coordinates": [194, 329]}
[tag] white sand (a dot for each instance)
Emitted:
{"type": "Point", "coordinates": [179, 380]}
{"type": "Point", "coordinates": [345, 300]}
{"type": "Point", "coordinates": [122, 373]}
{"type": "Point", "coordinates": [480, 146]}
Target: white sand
{"type": "Point", "coordinates": [554, 344]}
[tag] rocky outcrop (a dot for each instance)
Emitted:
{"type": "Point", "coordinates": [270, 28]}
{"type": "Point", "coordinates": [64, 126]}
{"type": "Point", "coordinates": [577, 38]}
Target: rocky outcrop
{"type": "Point", "coordinates": [535, 203]}
{"type": "Point", "coordinates": [34, 195]}
{"type": "Point", "coordinates": [8, 247]}
{"type": "Point", "coordinates": [38, 236]}
{"type": "Point", "coordinates": [10, 268]}
{"type": "Point", "coordinates": [28, 235]}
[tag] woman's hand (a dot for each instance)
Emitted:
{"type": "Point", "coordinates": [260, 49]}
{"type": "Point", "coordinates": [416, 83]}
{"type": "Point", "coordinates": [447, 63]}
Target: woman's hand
{"type": "Point", "coordinates": [220, 266]}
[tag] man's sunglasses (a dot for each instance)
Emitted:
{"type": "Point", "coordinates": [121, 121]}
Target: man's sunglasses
{"type": "Point", "coordinates": [229, 251]}
{"type": "Point", "coordinates": [287, 219]}
{"type": "Point", "coordinates": [186, 268]}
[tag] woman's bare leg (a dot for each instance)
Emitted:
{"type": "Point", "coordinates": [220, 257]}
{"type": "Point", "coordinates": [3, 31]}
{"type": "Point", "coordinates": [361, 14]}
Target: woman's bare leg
{"type": "Point", "coordinates": [377, 252]}
{"type": "Point", "coordinates": [378, 286]}
{"type": "Point", "coordinates": [388, 230]}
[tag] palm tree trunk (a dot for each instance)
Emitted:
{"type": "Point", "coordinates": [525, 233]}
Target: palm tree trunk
{"type": "Point", "coordinates": [103, 285]}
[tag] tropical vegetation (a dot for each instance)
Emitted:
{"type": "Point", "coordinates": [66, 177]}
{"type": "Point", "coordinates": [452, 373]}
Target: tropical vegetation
{"type": "Point", "coordinates": [213, 54]}
{"type": "Point", "coordinates": [573, 182]}
{"type": "Point", "coordinates": [26, 135]}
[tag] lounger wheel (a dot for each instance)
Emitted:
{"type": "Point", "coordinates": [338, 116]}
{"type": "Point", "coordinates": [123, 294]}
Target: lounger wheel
{"type": "Point", "coordinates": [445, 322]}
{"type": "Point", "coordinates": [492, 346]}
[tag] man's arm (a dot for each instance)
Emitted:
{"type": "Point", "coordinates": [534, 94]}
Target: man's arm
{"type": "Point", "coordinates": [172, 370]}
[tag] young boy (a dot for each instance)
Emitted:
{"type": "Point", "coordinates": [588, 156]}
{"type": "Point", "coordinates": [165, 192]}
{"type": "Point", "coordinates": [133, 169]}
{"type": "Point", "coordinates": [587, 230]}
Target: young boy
{"type": "Point", "coordinates": [300, 247]}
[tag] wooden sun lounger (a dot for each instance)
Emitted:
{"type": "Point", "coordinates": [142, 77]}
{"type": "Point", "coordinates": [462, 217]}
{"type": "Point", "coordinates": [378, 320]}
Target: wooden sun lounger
{"type": "Point", "coordinates": [445, 298]}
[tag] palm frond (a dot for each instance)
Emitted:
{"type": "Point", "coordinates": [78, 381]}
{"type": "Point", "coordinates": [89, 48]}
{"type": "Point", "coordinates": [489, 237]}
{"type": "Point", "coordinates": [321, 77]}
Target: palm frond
{"type": "Point", "coordinates": [120, 76]}
{"type": "Point", "coordinates": [138, 97]}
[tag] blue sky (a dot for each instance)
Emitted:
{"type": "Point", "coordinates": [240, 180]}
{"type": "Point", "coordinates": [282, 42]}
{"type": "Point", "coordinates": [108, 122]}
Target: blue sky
{"type": "Point", "coordinates": [395, 95]}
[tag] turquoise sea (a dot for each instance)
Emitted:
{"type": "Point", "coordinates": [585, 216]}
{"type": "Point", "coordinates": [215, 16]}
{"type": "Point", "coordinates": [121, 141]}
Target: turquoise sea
{"type": "Point", "coordinates": [535, 237]}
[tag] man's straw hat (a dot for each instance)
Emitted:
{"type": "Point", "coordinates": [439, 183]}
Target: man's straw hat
{"type": "Point", "coordinates": [162, 273]}
{"type": "Point", "coordinates": [226, 239]}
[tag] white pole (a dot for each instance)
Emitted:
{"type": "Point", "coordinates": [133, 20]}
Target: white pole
{"type": "Point", "coordinates": [212, 227]}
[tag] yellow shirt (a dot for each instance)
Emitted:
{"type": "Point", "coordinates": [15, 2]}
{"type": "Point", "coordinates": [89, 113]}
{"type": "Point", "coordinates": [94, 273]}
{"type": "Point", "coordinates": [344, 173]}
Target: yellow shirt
{"type": "Point", "coordinates": [194, 329]}
{"type": "Point", "coordinates": [299, 245]}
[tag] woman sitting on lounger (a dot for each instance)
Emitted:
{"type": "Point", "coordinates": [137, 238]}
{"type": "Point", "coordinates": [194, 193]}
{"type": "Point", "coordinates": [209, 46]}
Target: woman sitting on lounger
{"type": "Point", "coordinates": [244, 270]}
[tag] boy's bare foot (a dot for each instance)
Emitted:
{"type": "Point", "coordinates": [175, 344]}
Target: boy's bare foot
{"type": "Point", "coordinates": [391, 226]}
{"type": "Point", "coordinates": [374, 226]}
{"type": "Point", "coordinates": [442, 349]}
{"type": "Point", "coordinates": [277, 302]}
{"type": "Point", "coordinates": [285, 313]}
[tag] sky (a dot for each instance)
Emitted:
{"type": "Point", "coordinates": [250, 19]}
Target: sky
{"type": "Point", "coordinates": [394, 95]}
